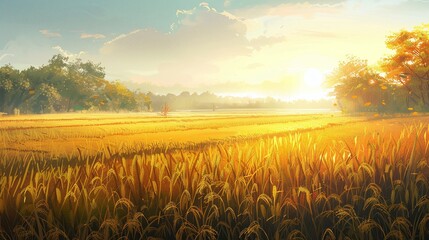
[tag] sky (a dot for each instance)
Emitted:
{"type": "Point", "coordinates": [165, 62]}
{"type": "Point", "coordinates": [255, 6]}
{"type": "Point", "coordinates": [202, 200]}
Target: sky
{"type": "Point", "coordinates": [229, 47]}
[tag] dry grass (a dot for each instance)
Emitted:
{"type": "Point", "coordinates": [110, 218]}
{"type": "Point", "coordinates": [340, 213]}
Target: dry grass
{"type": "Point", "coordinates": [323, 184]}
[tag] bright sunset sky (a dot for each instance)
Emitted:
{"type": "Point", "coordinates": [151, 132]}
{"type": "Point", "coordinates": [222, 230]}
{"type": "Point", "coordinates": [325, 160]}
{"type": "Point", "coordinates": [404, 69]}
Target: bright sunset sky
{"type": "Point", "coordinates": [230, 47]}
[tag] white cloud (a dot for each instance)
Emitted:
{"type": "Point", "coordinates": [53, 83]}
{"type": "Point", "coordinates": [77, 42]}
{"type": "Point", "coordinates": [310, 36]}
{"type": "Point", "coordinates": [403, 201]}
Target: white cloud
{"type": "Point", "coordinates": [49, 34]}
{"type": "Point", "coordinates": [191, 53]}
{"type": "Point", "coordinates": [261, 41]}
{"type": "Point", "coordinates": [68, 54]}
{"type": "Point", "coordinates": [245, 50]}
{"type": "Point", "coordinates": [24, 51]}
{"type": "Point", "coordinates": [306, 10]}
{"type": "Point", "coordinates": [93, 36]}
{"type": "Point", "coordinates": [205, 5]}
{"type": "Point", "coordinates": [373, 3]}
{"type": "Point", "coordinates": [4, 56]}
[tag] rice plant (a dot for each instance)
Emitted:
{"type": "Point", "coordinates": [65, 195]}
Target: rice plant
{"type": "Point", "coordinates": [289, 186]}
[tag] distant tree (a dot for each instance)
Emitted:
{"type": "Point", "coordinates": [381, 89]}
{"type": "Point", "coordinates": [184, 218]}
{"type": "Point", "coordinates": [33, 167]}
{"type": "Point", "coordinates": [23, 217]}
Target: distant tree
{"type": "Point", "coordinates": [15, 89]}
{"type": "Point", "coordinates": [148, 103]}
{"type": "Point", "coordinates": [62, 85]}
{"type": "Point", "coordinates": [357, 87]}
{"type": "Point", "coordinates": [139, 97]}
{"type": "Point", "coordinates": [185, 94]}
{"type": "Point", "coordinates": [81, 84]}
{"type": "Point", "coordinates": [144, 101]}
{"type": "Point", "coordinates": [119, 97]}
{"type": "Point", "coordinates": [44, 83]}
{"type": "Point", "coordinates": [47, 101]}
{"type": "Point", "coordinates": [58, 62]}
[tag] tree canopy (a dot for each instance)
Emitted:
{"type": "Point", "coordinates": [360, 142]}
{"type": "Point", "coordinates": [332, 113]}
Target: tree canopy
{"type": "Point", "coordinates": [62, 86]}
{"type": "Point", "coordinates": [400, 84]}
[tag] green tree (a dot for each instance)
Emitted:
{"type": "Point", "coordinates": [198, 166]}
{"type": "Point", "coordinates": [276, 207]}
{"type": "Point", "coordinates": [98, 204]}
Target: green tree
{"type": "Point", "coordinates": [43, 85]}
{"type": "Point", "coordinates": [63, 85]}
{"type": "Point", "coordinates": [47, 100]}
{"type": "Point", "coordinates": [148, 103]}
{"type": "Point", "coordinates": [80, 83]}
{"type": "Point", "coordinates": [15, 89]}
{"type": "Point", "coordinates": [119, 97]}
{"type": "Point", "coordinates": [144, 101]}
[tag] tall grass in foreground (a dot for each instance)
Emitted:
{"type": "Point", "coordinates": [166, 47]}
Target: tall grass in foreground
{"type": "Point", "coordinates": [298, 186]}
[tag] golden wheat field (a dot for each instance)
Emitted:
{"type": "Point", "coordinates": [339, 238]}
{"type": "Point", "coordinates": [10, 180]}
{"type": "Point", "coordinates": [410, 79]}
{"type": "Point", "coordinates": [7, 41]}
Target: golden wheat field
{"type": "Point", "coordinates": [224, 176]}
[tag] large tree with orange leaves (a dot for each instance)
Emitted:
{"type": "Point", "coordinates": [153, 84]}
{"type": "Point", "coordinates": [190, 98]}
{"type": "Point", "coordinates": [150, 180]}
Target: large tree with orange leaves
{"type": "Point", "coordinates": [401, 85]}
{"type": "Point", "coordinates": [408, 66]}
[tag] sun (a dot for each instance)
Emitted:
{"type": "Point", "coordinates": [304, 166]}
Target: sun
{"type": "Point", "coordinates": [313, 78]}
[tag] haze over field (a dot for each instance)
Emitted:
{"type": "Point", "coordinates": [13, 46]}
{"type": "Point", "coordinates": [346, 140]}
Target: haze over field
{"type": "Point", "coordinates": [232, 47]}
{"type": "Point", "coordinates": [225, 119]}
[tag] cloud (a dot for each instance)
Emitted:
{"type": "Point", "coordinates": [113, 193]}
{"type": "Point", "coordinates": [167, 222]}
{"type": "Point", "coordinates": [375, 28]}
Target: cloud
{"type": "Point", "coordinates": [255, 65]}
{"type": "Point", "coordinates": [313, 9]}
{"type": "Point", "coordinates": [264, 48]}
{"type": "Point", "coordinates": [4, 56]}
{"type": "Point", "coordinates": [305, 10]}
{"type": "Point", "coordinates": [68, 54]}
{"type": "Point", "coordinates": [49, 34]}
{"type": "Point", "coordinates": [317, 34]}
{"type": "Point", "coordinates": [291, 19]}
{"type": "Point", "coordinates": [23, 51]}
{"type": "Point", "coordinates": [372, 3]}
{"type": "Point", "coordinates": [192, 52]}
{"type": "Point", "coordinates": [201, 34]}
{"type": "Point", "coordinates": [93, 36]}
{"type": "Point", "coordinates": [261, 41]}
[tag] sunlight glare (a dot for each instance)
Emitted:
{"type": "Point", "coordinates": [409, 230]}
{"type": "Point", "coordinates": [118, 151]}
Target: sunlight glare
{"type": "Point", "coordinates": [313, 78]}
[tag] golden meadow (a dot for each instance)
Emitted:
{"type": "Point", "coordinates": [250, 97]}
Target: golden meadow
{"type": "Point", "coordinates": [214, 177]}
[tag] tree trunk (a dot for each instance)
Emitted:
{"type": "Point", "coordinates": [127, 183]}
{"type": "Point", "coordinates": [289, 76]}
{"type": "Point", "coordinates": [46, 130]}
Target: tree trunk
{"type": "Point", "coordinates": [2, 100]}
{"type": "Point", "coordinates": [422, 94]}
{"type": "Point", "coordinates": [69, 104]}
{"type": "Point", "coordinates": [427, 91]}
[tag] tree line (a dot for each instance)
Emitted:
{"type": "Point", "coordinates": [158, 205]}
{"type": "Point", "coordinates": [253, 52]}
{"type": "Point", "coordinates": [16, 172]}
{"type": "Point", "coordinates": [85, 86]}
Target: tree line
{"type": "Point", "coordinates": [63, 86]}
{"type": "Point", "coordinates": [210, 101]}
{"type": "Point", "coordinates": [398, 83]}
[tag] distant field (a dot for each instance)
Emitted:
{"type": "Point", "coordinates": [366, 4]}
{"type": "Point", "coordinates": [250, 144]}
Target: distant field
{"type": "Point", "coordinates": [214, 176]}
{"type": "Point", "coordinates": [64, 134]}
